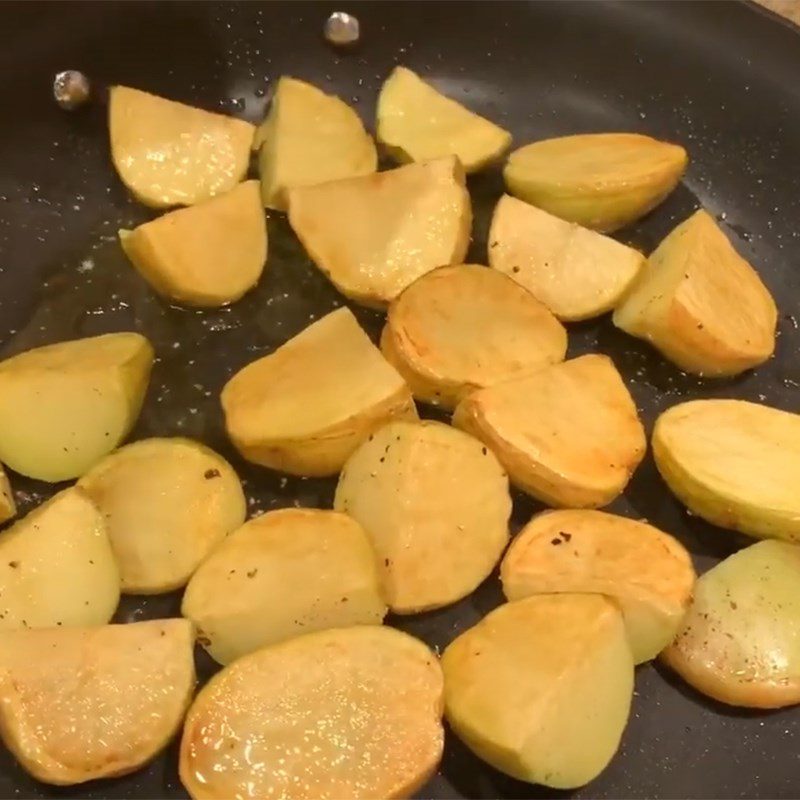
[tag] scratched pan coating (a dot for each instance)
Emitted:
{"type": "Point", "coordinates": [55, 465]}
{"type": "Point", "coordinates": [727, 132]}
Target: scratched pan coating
{"type": "Point", "coordinates": [720, 79]}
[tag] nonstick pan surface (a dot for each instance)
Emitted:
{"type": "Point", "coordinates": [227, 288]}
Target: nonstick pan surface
{"type": "Point", "coordinates": [723, 79]}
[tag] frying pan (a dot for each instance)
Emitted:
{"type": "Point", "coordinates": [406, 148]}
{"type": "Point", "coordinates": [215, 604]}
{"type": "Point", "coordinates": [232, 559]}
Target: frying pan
{"type": "Point", "coordinates": [723, 79]}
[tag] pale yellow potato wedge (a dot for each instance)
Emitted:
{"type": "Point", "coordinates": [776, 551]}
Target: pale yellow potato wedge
{"type": "Point", "coordinates": [541, 688]}
{"type": "Point", "coordinates": [78, 704]}
{"type": "Point", "coordinates": [167, 504]}
{"type": "Point", "coordinates": [171, 154]}
{"type": "Point", "coordinates": [281, 575]}
{"type": "Point", "coordinates": [64, 406]}
{"type": "Point", "coordinates": [352, 712]}
{"type": "Point", "coordinates": [373, 236]}
{"type": "Point", "coordinates": [435, 505]}
{"type": "Point", "coordinates": [569, 434]}
{"type": "Point", "coordinates": [309, 137]}
{"type": "Point", "coordinates": [207, 255]}
{"type": "Point", "coordinates": [740, 641]}
{"type": "Point", "coordinates": [603, 181]}
{"type": "Point", "coordinates": [701, 304]}
{"type": "Point", "coordinates": [647, 572]}
{"type": "Point", "coordinates": [734, 463]}
{"type": "Point", "coordinates": [576, 272]}
{"type": "Point", "coordinates": [306, 407]}
{"type": "Point", "coordinates": [8, 507]}
{"type": "Point", "coordinates": [57, 567]}
{"type": "Point", "coordinates": [415, 122]}
{"type": "Point", "coordinates": [464, 327]}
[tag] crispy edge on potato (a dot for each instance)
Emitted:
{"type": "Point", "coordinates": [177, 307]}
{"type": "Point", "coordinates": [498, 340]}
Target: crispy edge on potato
{"type": "Point", "coordinates": [8, 506]}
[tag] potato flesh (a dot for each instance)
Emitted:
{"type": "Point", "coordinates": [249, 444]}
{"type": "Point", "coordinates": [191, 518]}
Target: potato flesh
{"type": "Point", "coordinates": [353, 712]}
{"type": "Point", "coordinates": [568, 434]}
{"type": "Point", "coordinates": [170, 154]}
{"type": "Point", "coordinates": [701, 304]}
{"type": "Point", "coordinates": [85, 703]}
{"type": "Point", "coordinates": [8, 508]}
{"type": "Point", "coordinates": [435, 505]}
{"type": "Point", "coordinates": [541, 688]}
{"type": "Point", "coordinates": [373, 236]}
{"type": "Point", "coordinates": [576, 272]}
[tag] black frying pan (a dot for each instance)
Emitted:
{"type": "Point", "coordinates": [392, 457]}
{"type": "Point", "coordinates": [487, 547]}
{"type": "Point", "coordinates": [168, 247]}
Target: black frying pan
{"type": "Point", "coordinates": [723, 79]}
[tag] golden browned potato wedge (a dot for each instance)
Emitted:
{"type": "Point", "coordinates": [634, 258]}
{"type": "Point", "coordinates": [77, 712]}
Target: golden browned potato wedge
{"type": "Point", "coordinates": [460, 328]}
{"type": "Point", "coordinates": [435, 504]}
{"type": "Point", "coordinates": [373, 236]}
{"type": "Point", "coordinates": [57, 567]}
{"type": "Point", "coordinates": [64, 406]}
{"type": "Point", "coordinates": [576, 272]}
{"type": "Point", "coordinates": [417, 123]}
{"type": "Point", "coordinates": [734, 463]}
{"type": "Point", "coordinates": [541, 688]}
{"type": "Point", "coordinates": [170, 154]}
{"type": "Point", "coordinates": [304, 408]}
{"type": "Point", "coordinates": [83, 703]}
{"type": "Point", "coordinates": [283, 574]}
{"type": "Point", "coordinates": [648, 573]}
{"type": "Point", "coordinates": [701, 304]}
{"type": "Point", "coordinates": [8, 508]}
{"type": "Point", "coordinates": [568, 434]}
{"type": "Point", "coordinates": [352, 712]}
{"type": "Point", "coordinates": [309, 137]}
{"type": "Point", "coordinates": [167, 503]}
{"type": "Point", "coordinates": [601, 180]}
{"type": "Point", "coordinates": [207, 255]}
{"type": "Point", "coordinates": [740, 641]}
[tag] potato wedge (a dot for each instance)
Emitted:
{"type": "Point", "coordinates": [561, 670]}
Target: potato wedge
{"type": "Point", "coordinates": [568, 434]}
{"type": "Point", "coordinates": [648, 573]}
{"type": "Point", "coordinates": [701, 304]}
{"type": "Point", "coordinates": [576, 272]}
{"type": "Point", "coordinates": [283, 574]}
{"type": "Point", "coordinates": [64, 406]}
{"type": "Point", "coordinates": [83, 703]}
{"type": "Point", "coordinates": [8, 508]}
{"type": "Point", "coordinates": [373, 236]}
{"type": "Point", "coordinates": [603, 181]}
{"type": "Point", "coordinates": [57, 567]}
{"type": "Point", "coordinates": [541, 688]}
{"type": "Point", "coordinates": [415, 122]}
{"type": "Point", "coordinates": [207, 255]}
{"type": "Point", "coordinates": [734, 463]}
{"type": "Point", "coordinates": [436, 506]}
{"type": "Point", "coordinates": [167, 504]}
{"type": "Point", "coordinates": [352, 712]}
{"type": "Point", "coordinates": [309, 137]}
{"type": "Point", "coordinates": [306, 407]}
{"type": "Point", "coordinates": [465, 327]}
{"type": "Point", "coordinates": [740, 641]}
{"type": "Point", "coordinates": [171, 154]}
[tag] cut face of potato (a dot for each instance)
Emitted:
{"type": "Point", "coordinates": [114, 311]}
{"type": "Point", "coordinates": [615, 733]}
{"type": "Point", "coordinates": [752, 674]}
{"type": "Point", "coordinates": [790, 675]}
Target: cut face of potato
{"type": "Point", "coordinates": [167, 503]}
{"type": "Point", "coordinates": [603, 181]}
{"type": "Point", "coordinates": [170, 154]}
{"type": "Point", "coordinates": [57, 567]}
{"type": "Point", "coordinates": [648, 573]}
{"type": "Point", "coordinates": [64, 406]}
{"type": "Point", "coordinates": [304, 408]}
{"type": "Point", "coordinates": [568, 434]}
{"type": "Point", "coordinates": [417, 123]}
{"type": "Point", "coordinates": [460, 328]}
{"type": "Point", "coordinates": [309, 137]}
{"type": "Point", "coordinates": [207, 255]}
{"type": "Point", "coordinates": [375, 235]}
{"type": "Point", "coordinates": [541, 688]}
{"type": "Point", "coordinates": [701, 304]}
{"type": "Point", "coordinates": [352, 712]}
{"type": "Point", "coordinates": [576, 272]}
{"type": "Point", "coordinates": [435, 504]}
{"type": "Point", "coordinates": [8, 508]}
{"type": "Point", "coordinates": [283, 574]}
{"type": "Point", "coordinates": [740, 641]}
{"type": "Point", "coordinates": [83, 703]}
